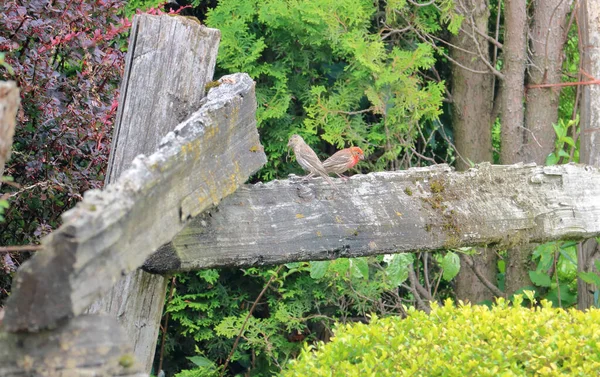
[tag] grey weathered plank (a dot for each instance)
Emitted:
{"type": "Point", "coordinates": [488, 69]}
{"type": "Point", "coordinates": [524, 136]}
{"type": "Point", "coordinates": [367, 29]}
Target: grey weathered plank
{"type": "Point", "coordinates": [9, 104]}
{"type": "Point", "coordinates": [170, 59]}
{"type": "Point", "coordinates": [403, 211]}
{"type": "Point", "coordinates": [85, 346]}
{"type": "Point", "coordinates": [111, 232]}
{"type": "Point", "coordinates": [169, 62]}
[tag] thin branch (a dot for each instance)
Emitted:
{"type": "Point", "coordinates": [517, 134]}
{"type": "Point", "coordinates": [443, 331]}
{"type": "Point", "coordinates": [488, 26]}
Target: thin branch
{"type": "Point", "coordinates": [165, 326]}
{"type": "Point", "coordinates": [413, 283]}
{"type": "Point", "coordinates": [495, 290]}
{"type": "Point", "coordinates": [497, 73]}
{"type": "Point", "coordinates": [563, 84]}
{"type": "Point", "coordinates": [495, 54]}
{"type": "Point", "coordinates": [421, 4]}
{"type": "Point", "coordinates": [483, 58]}
{"type": "Point", "coordinates": [548, 36]}
{"type": "Point", "coordinates": [20, 249]}
{"type": "Point", "coordinates": [487, 37]}
{"type": "Point", "coordinates": [237, 340]}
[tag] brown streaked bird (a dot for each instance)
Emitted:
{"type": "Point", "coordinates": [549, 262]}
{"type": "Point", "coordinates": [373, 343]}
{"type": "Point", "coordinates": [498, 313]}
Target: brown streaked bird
{"type": "Point", "coordinates": [307, 158]}
{"type": "Point", "coordinates": [343, 160]}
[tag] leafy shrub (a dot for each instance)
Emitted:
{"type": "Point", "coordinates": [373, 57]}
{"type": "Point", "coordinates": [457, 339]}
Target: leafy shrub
{"type": "Point", "coordinates": [302, 303]}
{"type": "Point", "coordinates": [465, 341]}
{"type": "Point", "coordinates": [67, 59]}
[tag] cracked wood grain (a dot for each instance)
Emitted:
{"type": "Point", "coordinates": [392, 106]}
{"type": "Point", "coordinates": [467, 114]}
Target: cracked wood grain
{"type": "Point", "coordinates": [389, 212]}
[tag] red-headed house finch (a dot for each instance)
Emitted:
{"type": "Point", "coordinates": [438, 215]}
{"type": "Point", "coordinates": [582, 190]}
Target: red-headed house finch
{"type": "Point", "coordinates": [343, 160]}
{"type": "Point", "coordinates": [307, 158]}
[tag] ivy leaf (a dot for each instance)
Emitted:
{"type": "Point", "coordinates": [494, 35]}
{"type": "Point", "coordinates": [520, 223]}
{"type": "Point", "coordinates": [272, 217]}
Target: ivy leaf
{"type": "Point", "coordinates": [540, 279]}
{"type": "Point", "coordinates": [359, 268]}
{"type": "Point", "coordinates": [450, 263]}
{"type": "Point", "coordinates": [318, 269]}
{"type": "Point", "coordinates": [397, 269]}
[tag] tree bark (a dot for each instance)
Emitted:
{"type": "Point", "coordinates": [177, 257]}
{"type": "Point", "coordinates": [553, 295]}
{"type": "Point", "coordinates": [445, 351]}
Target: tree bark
{"type": "Point", "coordinates": [546, 42]}
{"type": "Point", "coordinates": [513, 91]}
{"type": "Point", "coordinates": [512, 114]}
{"type": "Point", "coordinates": [589, 28]}
{"type": "Point", "coordinates": [472, 103]}
{"type": "Point", "coordinates": [9, 104]}
{"type": "Point", "coordinates": [472, 95]}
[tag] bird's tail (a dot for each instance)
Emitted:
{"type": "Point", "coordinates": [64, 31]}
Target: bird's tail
{"type": "Point", "coordinates": [327, 178]}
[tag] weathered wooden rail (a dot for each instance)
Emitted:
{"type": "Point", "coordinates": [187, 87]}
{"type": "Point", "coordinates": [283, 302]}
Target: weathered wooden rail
{"type": "Point", "coordinates": [419, 209]}
{"type": "Point", "coordinates": [211, 147]}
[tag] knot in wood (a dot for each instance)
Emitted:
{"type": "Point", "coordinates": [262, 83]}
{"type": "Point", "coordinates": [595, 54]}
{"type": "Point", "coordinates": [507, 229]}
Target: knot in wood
{"type": "Point", "coordinates": [305, 193]}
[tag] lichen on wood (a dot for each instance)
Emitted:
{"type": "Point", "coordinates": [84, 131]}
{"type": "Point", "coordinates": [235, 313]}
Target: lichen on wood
{"type": "Point", "coordinates": [285, 221]}
{"type": "Point", "coordinates": [112, 231]}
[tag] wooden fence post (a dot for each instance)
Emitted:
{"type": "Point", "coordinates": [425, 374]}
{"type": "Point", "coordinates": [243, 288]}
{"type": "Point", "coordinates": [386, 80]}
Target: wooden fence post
{"type": "Point", "coordinates": [112, 231]}
{"type": "Point", "coordinates": [588, 252]}
{"type": "Point", "coordinates": [169, 62]}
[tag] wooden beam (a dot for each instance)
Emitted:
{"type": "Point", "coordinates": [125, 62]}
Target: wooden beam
{"type": "Point", "coordinates": [170, 60]}
{"type": "Point", "coordinates": [390, 212]}
{"type": "Point", "coordinates": [9, 104]}
{"type": "Point", "coordinates": [111, 232]}
{"type": "Point", "coordinates": [84, 346]}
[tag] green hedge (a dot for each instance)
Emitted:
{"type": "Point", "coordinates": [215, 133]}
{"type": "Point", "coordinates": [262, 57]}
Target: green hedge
{"type": "Point", "coordinates": [504, 340]}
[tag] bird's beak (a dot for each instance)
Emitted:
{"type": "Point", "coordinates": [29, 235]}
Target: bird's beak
{"type": "Point", "coordinates": [361, 157]}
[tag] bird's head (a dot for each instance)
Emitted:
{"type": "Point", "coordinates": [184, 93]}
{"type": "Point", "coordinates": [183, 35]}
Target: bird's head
{"type": "Point", "coordinates": [357, 152]}
{"type": "Point", "coordinates": [295, 140]}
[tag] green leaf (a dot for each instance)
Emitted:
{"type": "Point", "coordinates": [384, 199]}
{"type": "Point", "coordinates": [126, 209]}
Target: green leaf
{"type": "Point", "coordinates": [451, 265]}
{"type": "Point", "coordinates": [560, 130]}
{"type": "Point", "coordinates": [201, 361]}
{"type": "Point", "coordinates": [546, 253]}
{"type": "Point", "coordinates": [360, 267]}
{"type": "Point", "coordinates": [597, 263]}
{"type": "Point", "coordinates": [552, 159]}
{"type": "Point", "coordinates": [318, 269]}
{"type": "Point", "coordinates": [501, 266]}
{"type": "Point", "coordinates": [397, 268]}
{"type": "Point", "coordinates": [293, 265]}
{"type": "Point", "coordinates": [568, 140]}
{"type": "Point", "coordinates": [590, 278]}
{"type": "Point", "coordinates": [566, 297]}
{"type": "Point", "coordinates": [4, 203]}
{"type": "Point", "coordinates": [540, 279]}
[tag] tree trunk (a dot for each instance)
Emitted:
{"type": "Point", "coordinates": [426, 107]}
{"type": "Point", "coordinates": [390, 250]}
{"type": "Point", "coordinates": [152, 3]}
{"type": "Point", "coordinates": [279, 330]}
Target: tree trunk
{"type": "Point", "coordinates": [513, 91]}
{"type": "Point", "coordinates": [589, 27]}
{"type": "Point", "coordinates": [472, 102]}
{"type": "Point", "coordinates": [472, 95]}
{"type": "Point", "coordinates": [512, 116]}
{"type": "Point", "coordinates": [547, 37]}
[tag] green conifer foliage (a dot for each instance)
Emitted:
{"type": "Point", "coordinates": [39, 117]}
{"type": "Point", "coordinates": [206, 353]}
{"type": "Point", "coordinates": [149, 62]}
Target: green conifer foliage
{"type": "Point", "coordinates": [323, 70]}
